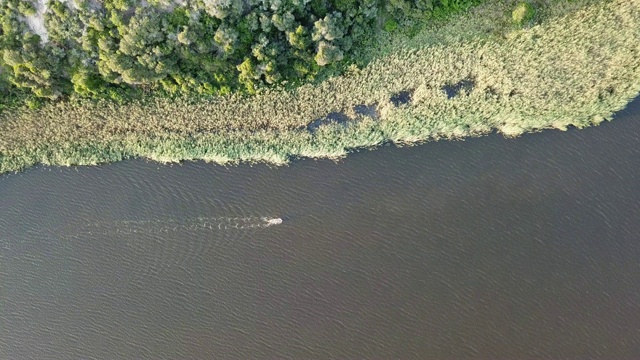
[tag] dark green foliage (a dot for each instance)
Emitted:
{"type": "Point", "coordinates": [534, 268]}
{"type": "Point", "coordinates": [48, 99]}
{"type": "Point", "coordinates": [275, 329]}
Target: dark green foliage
{"type": "Point", "coordinates": [27, 63]}
{"type": "Point", "coordinates": [209, 47]}
{"type": "Point", "coordinates": [87, 83]}
{"type": "Point", "coordinates": [417, 9]}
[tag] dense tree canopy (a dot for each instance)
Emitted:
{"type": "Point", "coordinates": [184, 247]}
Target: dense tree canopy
{"type": "Point", "coordinates": [106, 48]}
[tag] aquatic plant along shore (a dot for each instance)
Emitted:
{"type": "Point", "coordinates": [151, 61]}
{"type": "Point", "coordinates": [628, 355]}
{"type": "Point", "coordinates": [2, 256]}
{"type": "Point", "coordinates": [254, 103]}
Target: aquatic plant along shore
{"type": "Point", "coordinates": [574, 64]}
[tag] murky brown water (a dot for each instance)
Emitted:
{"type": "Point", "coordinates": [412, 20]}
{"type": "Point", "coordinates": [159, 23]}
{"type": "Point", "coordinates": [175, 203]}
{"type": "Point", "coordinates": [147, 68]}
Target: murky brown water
{"type": "Point", "coordinates": [490, 248]}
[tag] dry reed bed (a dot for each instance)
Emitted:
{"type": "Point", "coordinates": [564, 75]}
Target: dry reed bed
{"type": "Point", "coordinates": [576, 68]}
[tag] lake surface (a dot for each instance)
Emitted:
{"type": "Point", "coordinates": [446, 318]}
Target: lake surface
{"type": "Point", "coordinates": [489, 248]}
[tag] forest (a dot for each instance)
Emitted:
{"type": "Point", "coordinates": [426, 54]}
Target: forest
{"type": "Point", "coordinates": [120, 49]}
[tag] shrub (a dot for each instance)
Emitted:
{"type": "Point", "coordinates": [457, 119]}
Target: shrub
{"type": "Point", "coordinates": [523, 13]}
{"type": "Point", "coordinates": [390, 25]}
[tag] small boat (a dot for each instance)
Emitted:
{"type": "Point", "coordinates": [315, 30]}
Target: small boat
{"type": "Point", "coordinates": [274, 221]}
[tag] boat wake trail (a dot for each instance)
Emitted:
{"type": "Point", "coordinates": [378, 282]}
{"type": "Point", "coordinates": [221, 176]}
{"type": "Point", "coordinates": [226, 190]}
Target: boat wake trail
{"type": "Point", "coordinates": [171, 225]}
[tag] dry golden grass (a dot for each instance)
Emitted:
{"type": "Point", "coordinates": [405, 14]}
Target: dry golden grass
{"type": "Point", "coordinates": [577, 67]}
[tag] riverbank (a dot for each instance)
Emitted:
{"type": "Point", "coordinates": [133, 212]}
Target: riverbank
{"type": "Point", "coordinates": [576, 66]}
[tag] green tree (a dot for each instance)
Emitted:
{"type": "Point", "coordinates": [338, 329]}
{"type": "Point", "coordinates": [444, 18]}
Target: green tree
{"type": "Point", "coordinates": [222, 9]}
{"type": "Point", "coordinates": [328, 53]}
{"type": "Point", "coordinates": [331, 27]}
{"type": "Point", "coordinates": [226, 38]}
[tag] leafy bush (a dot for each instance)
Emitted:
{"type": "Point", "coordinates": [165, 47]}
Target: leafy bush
{"type": "Point", "coordinates": [523, 13]}
{"type": "Point", "coordinates": [390, 25]}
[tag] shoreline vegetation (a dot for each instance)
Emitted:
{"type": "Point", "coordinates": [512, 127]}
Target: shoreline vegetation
{"type": "Point", "coordinates": [498, 66]}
